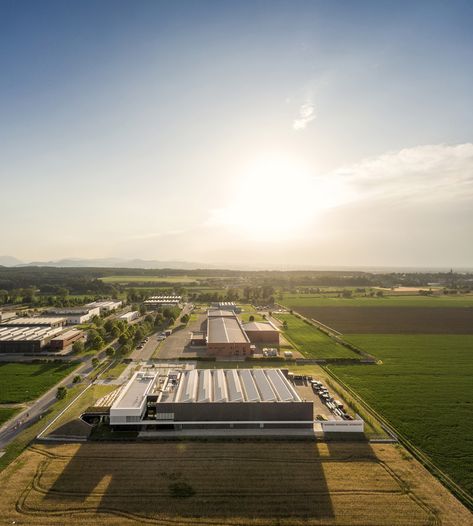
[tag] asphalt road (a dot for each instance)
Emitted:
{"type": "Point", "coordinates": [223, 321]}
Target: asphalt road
{"type": "Point", "coordinates": [150, 346]}
{"type": "Point", "coordinates": [30, 415]}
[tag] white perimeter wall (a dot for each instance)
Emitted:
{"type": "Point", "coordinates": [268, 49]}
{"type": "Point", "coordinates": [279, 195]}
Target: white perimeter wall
{"type": "Point", "coordinates": [343, 426]}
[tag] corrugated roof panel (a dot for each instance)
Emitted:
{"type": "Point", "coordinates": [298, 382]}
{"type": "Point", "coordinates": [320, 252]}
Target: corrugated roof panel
{"type": "Point", "coordinates": [190, 390]}
{"type": "Point", "coordinates": [251, 393]}
{"type": "Point", "coordinates": [205, 386]}
{"type": "Point", "coordinates": [264, 387]}
{"type": "Point", "coordinates": [281, 386]}
{"type": "Point", "coordinates": [220, 386]}
{"type": "Point", "coordinates": [235, 391]}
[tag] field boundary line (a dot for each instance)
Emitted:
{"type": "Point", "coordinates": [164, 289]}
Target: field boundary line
{"type": "Point", "coordinates": [336, 336]}
{"type": "Point", "coordinates": [462, 495]}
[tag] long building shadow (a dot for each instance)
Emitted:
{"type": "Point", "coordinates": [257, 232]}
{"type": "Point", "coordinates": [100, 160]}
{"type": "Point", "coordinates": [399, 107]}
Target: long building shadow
{"type": "Point", "coordinates": [257, 479]}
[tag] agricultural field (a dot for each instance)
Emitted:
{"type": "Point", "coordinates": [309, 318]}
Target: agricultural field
{"type": "Point", "coordinates": [234, 483]}
{"type": "Point", "coordinates": [311, 342]}
{"type": "Point", "coordinates": [402, 320]}
{"type": "Point", "coordinates": [6, 413]}
{"type": "Point", "coordinates": [22, 382]}
{"type": "Point", "coordinates": [295, 301]}
{"type": "Point", "coordinates": [424, 388]}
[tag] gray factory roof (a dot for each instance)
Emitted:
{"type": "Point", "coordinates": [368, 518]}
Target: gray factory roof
{"type": "Point", "coordinates": [213, 313]}
{"type": "Point", "coordinates": [234, 385]}
{"type": "Point", "coordinates": [68, 334]}
{"type": "Point", "coordinates": [27, 333]}
{"type": "Point", "coordinates": [225, 330]}
{"type": "Point", "coordinates": [70, 310]}
{"type": "Point", "coordinates": [259, 326]}
{"type": "Point", "coordinates": [34, 321]}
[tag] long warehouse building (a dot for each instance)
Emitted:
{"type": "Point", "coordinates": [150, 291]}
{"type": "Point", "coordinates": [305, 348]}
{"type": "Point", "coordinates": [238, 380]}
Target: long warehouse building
{"type": "Point", "coordinates": [202, 398]}
{"type": "Point", "coordinates": [225, 335]}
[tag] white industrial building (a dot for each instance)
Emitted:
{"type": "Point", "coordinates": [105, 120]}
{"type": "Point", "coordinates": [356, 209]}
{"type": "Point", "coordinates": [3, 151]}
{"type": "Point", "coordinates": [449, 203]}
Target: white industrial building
{"type": "Point", "coordinates": [202, 398]}
{"type": "Point", "coordinates": [163, 301]}
{"type": "Point", "coordinates": [26, 338]}
{"type": "Point", "coordinates": [76, 315]}
{"type": "Point", "coordinates": [35, 321]}
{"type": "Point", "coordinates": [106, 305]}
{"type": "Point", "coordinates": [130, 316]}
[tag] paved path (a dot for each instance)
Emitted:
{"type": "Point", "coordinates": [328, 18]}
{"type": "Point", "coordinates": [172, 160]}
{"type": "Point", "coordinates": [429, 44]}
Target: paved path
{"type": "Point", "coordinates": [150, 346]}
{"type": "Point", "coordinates": [35, 410]}
{"type": "Point", "coordinates": [177, 344]}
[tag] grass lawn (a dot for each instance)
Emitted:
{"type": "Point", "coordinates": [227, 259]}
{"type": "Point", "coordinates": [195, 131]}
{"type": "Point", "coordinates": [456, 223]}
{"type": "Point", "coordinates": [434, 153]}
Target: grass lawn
{"type": "Point", "coordinates": [22, 382]}
{"type": "Point", "coordinates": [424, 388]}
{"type": "Point", "coordinates": [6, 413]}
{"type": "Point", "coordinates": [293, 301]}
{"type": "Point", "coordinates": [311, 342]}
{"type": "Point", "coordinates": [115, 371]}
{"type": "Point", "coordinates": [86, 400]}
{"type": "Point", "coordinates": [248, 310]}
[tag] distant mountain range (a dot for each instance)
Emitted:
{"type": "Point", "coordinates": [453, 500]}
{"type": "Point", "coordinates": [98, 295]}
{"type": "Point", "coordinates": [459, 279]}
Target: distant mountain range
{"type": "Point", "coordinates": [10, 261]}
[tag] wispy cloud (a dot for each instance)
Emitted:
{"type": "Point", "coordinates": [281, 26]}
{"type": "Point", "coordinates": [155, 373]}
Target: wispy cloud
{"type": "Point", "coordinates": [427, 173]}
{"type": "Point", "coordinates": [306, 115]}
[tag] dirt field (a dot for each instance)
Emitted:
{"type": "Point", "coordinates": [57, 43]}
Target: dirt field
{"type": "Point", "coordinates": [395, 320]}
{"type": "Point", "coordinates": [288, 483]}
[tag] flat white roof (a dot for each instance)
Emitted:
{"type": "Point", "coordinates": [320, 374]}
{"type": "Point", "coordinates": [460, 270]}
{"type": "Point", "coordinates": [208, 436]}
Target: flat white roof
{"type": "Point", "coordinates": [133, 394]}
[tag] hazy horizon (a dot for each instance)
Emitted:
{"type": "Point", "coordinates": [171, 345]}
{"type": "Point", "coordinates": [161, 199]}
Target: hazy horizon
{"type": "Point", "coordinates": [278, 134]}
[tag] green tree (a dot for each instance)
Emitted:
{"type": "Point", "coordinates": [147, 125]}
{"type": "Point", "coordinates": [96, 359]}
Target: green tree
{"type": "Point", "coordinates": [78, 346]}
{"type": "Point", "coordinates": [61, 393]}
{"type": "Point", "coordinates": [110, 352]}
{"type": "Point", "coordinates": [77, 379]}
{"type": "Point", "coordinates": [139, 335]}
{"type": "Point", "coordinates": [115, 332]}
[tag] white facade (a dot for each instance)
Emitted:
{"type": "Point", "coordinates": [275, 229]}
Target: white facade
{"type": "Point", "coordinates": [76, 316]}
{"type": "Point", "coordinates": [105, 306]}
{"type": "Point", "coordinates": [343, 426]}
{"type": "Point", "coordinates": [130, 316]}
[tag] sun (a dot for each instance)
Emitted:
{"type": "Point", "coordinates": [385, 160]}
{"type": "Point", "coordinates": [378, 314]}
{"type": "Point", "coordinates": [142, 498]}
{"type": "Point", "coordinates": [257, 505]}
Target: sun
{"type": "Point", "coordinates": [277, 197]}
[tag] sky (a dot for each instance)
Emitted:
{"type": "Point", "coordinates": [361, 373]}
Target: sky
{"type": "Point", "coordinates": [251, 133]}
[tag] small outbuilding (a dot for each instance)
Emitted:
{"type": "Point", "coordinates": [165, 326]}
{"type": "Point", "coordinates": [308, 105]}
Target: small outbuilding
{"type": "Point", "coordinates": [261, 332]}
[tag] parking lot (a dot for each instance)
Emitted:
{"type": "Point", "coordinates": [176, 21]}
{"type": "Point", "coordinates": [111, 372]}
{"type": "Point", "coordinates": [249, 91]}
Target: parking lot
{"type": "Point", "coordinates": [307, 393]}
{"type": "Point", "coordinates": [178, 343]}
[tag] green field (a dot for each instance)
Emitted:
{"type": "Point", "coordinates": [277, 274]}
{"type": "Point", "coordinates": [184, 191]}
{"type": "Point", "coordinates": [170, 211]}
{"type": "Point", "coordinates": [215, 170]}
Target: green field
{"type": "Point", "coordinates": [22, 382]}
{"type": "Point", "coordinates": [310, 341]}
{"type": "Point", "coordinates": [6, 413]}
{"type": "Point", "coordinates": [424, 388]}
{"type": "Point", "coordinates": [293, 301]}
